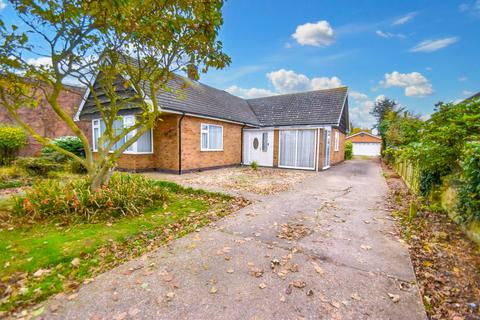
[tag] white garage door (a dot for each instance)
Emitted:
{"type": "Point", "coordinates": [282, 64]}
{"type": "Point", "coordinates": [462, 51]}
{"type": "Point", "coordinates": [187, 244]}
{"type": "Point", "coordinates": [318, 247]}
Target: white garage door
{"type": "Point", "coordinates": [366, 149]}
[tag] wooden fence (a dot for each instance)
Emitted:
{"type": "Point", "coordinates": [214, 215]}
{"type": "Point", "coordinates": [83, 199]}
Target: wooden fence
{"type": "Point", "coordinates": [410, 173]}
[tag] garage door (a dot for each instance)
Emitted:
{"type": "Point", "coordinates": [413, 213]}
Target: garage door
{"type": "Point", "coordinates": [366, 149]}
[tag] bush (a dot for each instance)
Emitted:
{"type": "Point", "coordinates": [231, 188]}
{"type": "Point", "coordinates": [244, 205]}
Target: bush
{"type": "Point", "coordinates": [469, 191]}
{"type": "Point", "coordinates": [11, 140]}
{"type": "Point", "coordinates": [254, 165]}
{"type": "Point", "coordinates": [76, 167]}
{"type": "Point", "coordinates": [69, 143]}
{"type": "Point", "coordinates": [348, 150]}
{"type": "Point", "coordinates": [73, 201]}
{"type": "Point", "coordinates": [39, 166]}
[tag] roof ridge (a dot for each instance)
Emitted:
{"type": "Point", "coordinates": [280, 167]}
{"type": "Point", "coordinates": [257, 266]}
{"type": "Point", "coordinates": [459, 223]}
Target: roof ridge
{"type": "Point", "coordinates": [298, 93]}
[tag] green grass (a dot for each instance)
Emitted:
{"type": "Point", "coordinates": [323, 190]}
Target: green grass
{"type": "Point", "coordinates": [25, 250]}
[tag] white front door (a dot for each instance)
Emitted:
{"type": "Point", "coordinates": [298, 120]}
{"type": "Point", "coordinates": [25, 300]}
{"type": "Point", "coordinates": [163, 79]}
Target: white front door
{"type": "Point", "coordinates": [258, 147]}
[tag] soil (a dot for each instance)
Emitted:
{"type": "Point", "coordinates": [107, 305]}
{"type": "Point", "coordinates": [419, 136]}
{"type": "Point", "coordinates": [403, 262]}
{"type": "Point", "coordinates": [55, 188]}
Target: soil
{"type": "Point", "coordinates": [446, 262]}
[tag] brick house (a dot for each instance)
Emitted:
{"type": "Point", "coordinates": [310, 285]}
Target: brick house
{"type": "Point", "coordinates": [206, 128]}
{"type": "Point", "coordinates": [45, 121]}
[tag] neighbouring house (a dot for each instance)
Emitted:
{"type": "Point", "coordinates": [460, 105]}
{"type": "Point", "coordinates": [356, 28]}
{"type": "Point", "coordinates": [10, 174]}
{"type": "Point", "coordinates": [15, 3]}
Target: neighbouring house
{"type": "Point", "coordinates": [45, 121]}
{"type": "Point", "coordinates": [365, 144]}
{"type": "Point", "coordinates": [206, 128]}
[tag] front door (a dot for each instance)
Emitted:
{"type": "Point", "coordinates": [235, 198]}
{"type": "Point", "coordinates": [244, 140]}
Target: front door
{"type": "Point", "coordinates": [258, 147]}
{"type": "Point", "coordinates": [327, 139]}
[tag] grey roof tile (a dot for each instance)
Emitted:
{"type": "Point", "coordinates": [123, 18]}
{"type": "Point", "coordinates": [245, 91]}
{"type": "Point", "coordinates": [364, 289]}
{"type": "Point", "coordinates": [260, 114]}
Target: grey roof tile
{"type": "Point", "coordinates": [320, 107]}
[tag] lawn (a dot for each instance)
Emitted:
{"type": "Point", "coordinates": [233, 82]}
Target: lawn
{"type": "Point", "coordinates": [45, 258]}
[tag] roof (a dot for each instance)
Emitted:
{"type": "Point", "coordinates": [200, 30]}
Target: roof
{"type": "Point", "coordinates": [319, 107]}
{"type": "Point", "coordinates": [362, 133]}
{"type": "Point", "coordinates": [200, 99]}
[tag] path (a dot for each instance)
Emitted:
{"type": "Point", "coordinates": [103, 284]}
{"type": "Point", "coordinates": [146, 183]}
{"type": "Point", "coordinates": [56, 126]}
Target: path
{"type": "Point", "coordinates": [346, 256]}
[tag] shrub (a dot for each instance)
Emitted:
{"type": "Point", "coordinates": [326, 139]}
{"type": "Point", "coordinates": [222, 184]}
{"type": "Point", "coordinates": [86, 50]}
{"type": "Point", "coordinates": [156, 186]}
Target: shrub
{"type": "Point", "coordinates": [469, 191]}
{"type": "Point", "coordinates": [74, 201]}
{"type": "Point", "coordinates": [69, 143]}
{"type": "Point", "coordinates": [254, 165]}
{"type": "Point", "coordinates": [76, 167]}
{"type": "Point", "coordinates": [348, 150]}
{"type": "Point", "coordinates": [11, 140]}
{"type": "Point", "coordinates": [38, 166]}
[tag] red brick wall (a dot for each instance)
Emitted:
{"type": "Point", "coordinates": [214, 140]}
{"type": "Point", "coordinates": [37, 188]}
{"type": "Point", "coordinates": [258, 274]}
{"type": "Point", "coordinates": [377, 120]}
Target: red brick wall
{"type": "Point", "coordinates": [363, 138]}
{"type": "Point", "coordinates": [193, 158]}
{"type": "Point", "coordinates": [45, 121]}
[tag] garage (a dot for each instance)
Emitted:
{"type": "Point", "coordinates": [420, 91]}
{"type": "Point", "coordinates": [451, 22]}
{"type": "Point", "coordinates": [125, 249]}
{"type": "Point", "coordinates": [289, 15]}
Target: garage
{"type": "Point", "coordinates": [365, 144]}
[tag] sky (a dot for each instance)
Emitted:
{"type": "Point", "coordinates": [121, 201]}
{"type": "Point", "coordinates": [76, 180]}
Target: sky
{"type": "Point", "coordinates": [415, 52]}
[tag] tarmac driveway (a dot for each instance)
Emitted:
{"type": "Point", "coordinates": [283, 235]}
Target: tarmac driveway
{"type": "Point", "coordinates": [322, 250]}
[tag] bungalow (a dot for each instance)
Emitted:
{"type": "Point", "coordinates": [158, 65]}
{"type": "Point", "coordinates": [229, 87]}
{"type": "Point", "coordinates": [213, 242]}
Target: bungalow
{"type": "Point", "coordinates": [207, 128]}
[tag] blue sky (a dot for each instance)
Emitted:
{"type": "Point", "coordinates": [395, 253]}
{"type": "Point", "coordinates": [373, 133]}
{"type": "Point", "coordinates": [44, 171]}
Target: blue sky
{"type": "Point", "coordinates": [416, 52]}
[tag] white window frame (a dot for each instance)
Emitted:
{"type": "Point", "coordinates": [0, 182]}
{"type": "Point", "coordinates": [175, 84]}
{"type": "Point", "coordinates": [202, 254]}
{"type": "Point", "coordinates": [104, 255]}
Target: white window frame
{"type": "Point", "coordinates": [207, 131]}
{"type": "Point", "coordinates": [337, 141]}
{"type": "Point", "coordinates": [96, 125]}
{"type": "Point", "coordinates": [296, 149]}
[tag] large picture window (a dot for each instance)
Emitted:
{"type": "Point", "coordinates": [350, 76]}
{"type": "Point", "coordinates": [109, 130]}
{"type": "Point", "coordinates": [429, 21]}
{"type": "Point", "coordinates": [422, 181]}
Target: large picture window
{"type": "Point", "coordinates": [297, 149]}
{"type": "Point", "coordinates": [211, 137]}
{"type": "Point", "coordinates": [142, 145]}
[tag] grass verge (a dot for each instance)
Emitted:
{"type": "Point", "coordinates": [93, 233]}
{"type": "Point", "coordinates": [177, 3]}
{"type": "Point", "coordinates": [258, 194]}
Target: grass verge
{"type": "Point", "coordinates": [42, 259]}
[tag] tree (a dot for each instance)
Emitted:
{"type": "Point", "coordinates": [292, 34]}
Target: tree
{"type": "Point", "coordinates": [358, 129]}
{"type": "Point", "coordinates": [137, 44]}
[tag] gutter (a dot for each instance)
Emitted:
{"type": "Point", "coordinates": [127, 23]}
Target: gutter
{"type": "Point", "coordinates": [180, 143]}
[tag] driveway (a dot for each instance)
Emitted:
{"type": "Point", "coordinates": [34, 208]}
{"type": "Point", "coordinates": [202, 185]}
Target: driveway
{"type": "Point", "coordinates": [326, 249]}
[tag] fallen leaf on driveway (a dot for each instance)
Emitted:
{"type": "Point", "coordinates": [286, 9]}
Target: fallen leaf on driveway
{"type": "Point", "coordinates": [72, 296]}
{"type": "Point", "coordinates": [283, 299]}
{"type": "Point", "coordinates": [170, 295]}
{"type": "Point", "coordinates": [317, 268]}
{"type": "Point", "coordinates": [256, 272]}
{"type": "Point", "coordinates": [262, 285]}
{"type": "Point", "coordinates": [365, 247]}
{"type": "Point", "coordinates": [310, 293]}
{"type": "Point", "coordinates": [41, 272]}
{"type": "Point", "coordinates": [213, 290]}
{"type": "Point", "coordinates": [355, 296]}
{"type": "Point", "coordinates": [395, 297]}
{"type": "Point", "coordinates": [230, 271]}
{"type": "Point", "coordinates": [299, 284]}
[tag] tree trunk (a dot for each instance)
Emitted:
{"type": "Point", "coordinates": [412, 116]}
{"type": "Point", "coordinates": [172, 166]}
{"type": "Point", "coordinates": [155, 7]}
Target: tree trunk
{"type": "Point", "coordinates": [100, 178]}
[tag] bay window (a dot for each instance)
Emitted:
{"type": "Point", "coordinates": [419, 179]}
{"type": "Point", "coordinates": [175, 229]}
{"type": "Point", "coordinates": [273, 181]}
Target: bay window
{"type": "Point", "coordinates": [142, 145]}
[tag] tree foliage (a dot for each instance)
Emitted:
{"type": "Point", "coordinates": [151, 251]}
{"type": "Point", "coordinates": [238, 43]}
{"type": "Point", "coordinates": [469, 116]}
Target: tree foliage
{"type": "Point", "coordinates": [137, 44]}
{"type": "Point", "coordinates": [446, 144]}
{"type": "Point", "coordinates": [11, 140]}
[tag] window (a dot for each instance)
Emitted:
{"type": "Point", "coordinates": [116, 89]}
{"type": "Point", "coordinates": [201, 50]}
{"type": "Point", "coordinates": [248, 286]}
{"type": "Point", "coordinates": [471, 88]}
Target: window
{"type": "Point", "coordinates": [337, 140]}
{"type": "Point", "coordinates": [264, 141]}
{"type": "Point", "coordinates": [142, 145]}
{"type": "Point", "coordinates": [297, 149]}
{"type": "Point", "coordinates": [211, 137]}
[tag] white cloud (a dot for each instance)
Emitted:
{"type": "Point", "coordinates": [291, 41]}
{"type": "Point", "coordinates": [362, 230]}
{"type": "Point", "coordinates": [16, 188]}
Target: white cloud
{"type": "Point", "coordinates": [314, 34]}
{"type": "Point", "coordinates": [389, 35]}
{"type": "Point", "coordinates": [473, 8]}
{"type": "Point", "coordinates": [415, 83]}
{"type": "Point", "coordinates": [404, 19]}
{"type": "Point", "coordinates": [287, 81]}
{"type": "Point", "coordinates": [360, 107]}
{"type": "Point", "coordinates": [462, 78]}
{"type": "Point", "coordinates": [2, 4]}
{"type": "Point", "coordinates": [434, 45]}
{"type": "Point", "coordinates": [40, 61]}
{"type": "Point", "coordinates": [249, 93]}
